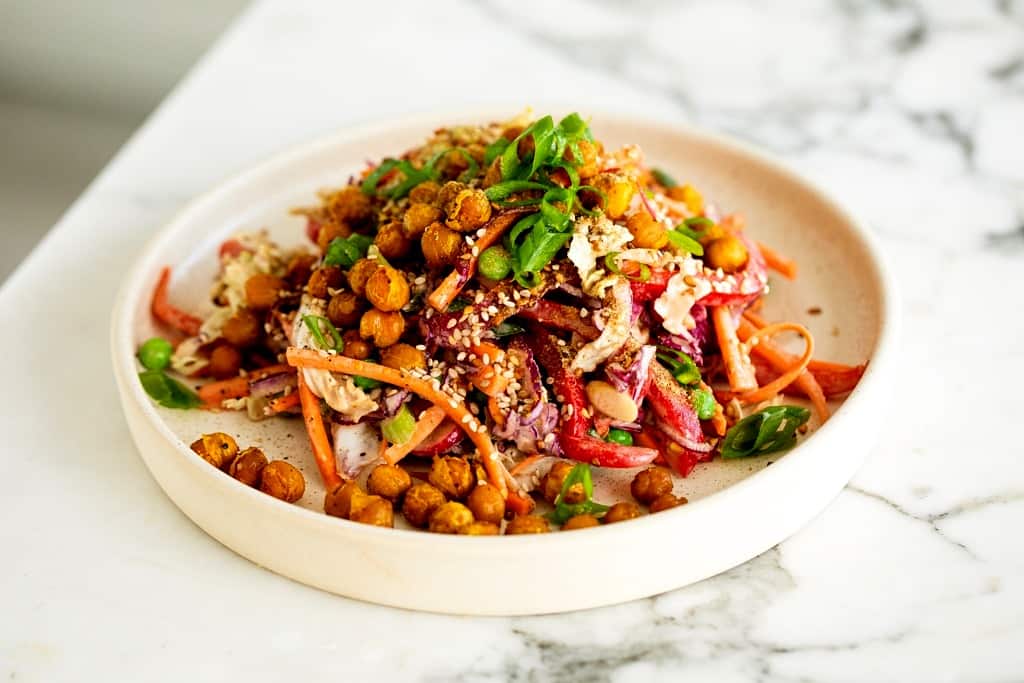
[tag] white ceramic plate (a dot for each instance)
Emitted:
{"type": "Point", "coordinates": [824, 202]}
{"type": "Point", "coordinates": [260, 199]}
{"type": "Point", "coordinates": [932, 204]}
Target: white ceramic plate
{"type": "Point", "coordinates": [738, 509]}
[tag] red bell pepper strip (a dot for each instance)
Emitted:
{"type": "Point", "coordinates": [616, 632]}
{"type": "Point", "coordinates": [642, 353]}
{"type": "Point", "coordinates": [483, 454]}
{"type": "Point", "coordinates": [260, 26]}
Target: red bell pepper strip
{"type": "Point", "coordinates": [561, 317]}
{"type": "Point", "coordinates": [672, 406]}
{"type": "Point", "coordinates": [168, 314]}
{"type": "Point", "coordinates": [651, 288]}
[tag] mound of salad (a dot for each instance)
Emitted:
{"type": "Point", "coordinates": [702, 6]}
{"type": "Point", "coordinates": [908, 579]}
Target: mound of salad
{"type": "Point", "coordinates": [477, 322]}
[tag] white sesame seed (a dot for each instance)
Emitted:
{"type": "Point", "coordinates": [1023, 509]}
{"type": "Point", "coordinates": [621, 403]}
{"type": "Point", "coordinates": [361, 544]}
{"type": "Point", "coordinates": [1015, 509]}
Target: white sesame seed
{"type": "Point", "coordinates": [461, 357]}
{"type": "Point", "coordinates": [487, 359]}
{"type": "Point", "coordinates": [467, 418]}
{"type": "Point", "coordinates": [452, 323]}
{"type": "Point", "coordinates": [421, 347]}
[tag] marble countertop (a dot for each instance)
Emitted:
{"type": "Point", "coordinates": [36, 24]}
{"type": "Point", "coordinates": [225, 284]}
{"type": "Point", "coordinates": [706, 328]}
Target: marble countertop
{"type": "Point", "coordinates": [910, 112]}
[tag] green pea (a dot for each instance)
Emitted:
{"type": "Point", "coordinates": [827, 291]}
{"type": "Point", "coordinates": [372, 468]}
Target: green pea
{"type": "Point", "coordinates": [155, 353]}
{"type": "Point", "coordinates": [619, 436]}
{"type": "Point", "coordinates": [703, 402]}
{"type": "Point", "coordinates": [495, 263]}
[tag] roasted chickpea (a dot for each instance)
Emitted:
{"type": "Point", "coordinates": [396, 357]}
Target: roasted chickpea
{"type": "Point", "coordinates": [384, 328]}
{"type": "Point", "coordinates": [392, 242]}
{"type": "Point", "coordinates": [647, 232]}
{"type": "Point", "coordinates": [417, 217]}
{"type": "Point", "coordinates": [587, 166]}
{"type": "Point", "coordinates": [666, 501]}
{"type": "Point", "coordinates": [581, 522]}
{"type": "Point", "coordinates": [283, 481]}
{"type": "Point", "coordinates": [329, 232]}
{"type": "Point", "coordinates": [242, 329]}
{"type": "Point", "coordinates": [689, 195]}
{"type": "Point", "coordinates": [452, 476]}
{"type": "Point", "coordinates": [486, 503]}
{"type": "Point", "coordinates": [468, 210]}
{"type": "Point", "coordinates": [225, 361]}
{"type": "Point", "coordinates": [372, 510]}
{"type": "Point", "coordinates": [262, 291]}
{"type": "Point", "coordinates": [448, 192]}
{"type": "Point", "coordinates": [440, 245]}
{"type": "Point", "coordinates": [298, 270]}
{"type": "Point", "coordinates": [218, 449]}
{"type": "Point", "coordinates": [324, 279]}
{"type": "Point", "coordinates": [481, 529]}
{"type": "Point", "coordinates": [650, 483]}
{"type": "Point", "coordinates": [338, 502]}
{"type": "Point", "coordinates": [344, 309]}
{"type": "Point", "coordinates": [349, 205]}
{"type": "Point", "coordinates": [551, 484]}
{"type": "Point", "coordinates": [424, 193]}
{"type": "Point", "coordinates": [387, 289]}
{"type": "Point", "coordinates": [403, 357]}
{"type": "Point", "coordinates": [420, 502]}
{"type": "Point", "coordinates": [727, 252]}
{"type": "Point", "coordinates": [450, 518]}
{"type": "Point", "coordinates": [388, 481]}
{"type": "Point", "coordinates": [620, 512]}
{"type": "Point", "coordinates": [248, 467]}
{"type": "Point", "coordinates": [618, 191]}
{"type": "Point", "coordinates": [527, 524]}
{"type": "Point", "coordinates": [359, 273]}
{"type": "Point", "coordinates": [355, 347]}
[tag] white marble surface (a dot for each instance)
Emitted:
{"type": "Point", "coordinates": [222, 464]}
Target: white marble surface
{"type": "Point", "coordinates": [911, 112]}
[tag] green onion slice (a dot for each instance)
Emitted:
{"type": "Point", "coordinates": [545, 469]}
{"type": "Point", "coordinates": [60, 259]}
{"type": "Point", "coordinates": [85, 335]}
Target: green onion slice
{"type": "Point", "coordinates": [767, 431]}
{"type": "Point", "coordinates": [613, 267]}
{"type": "Point", "coordinates": [579, 474]}
{"type": "Point", "coordinates": [679, 364]}
{"type": "Point", "coordinates": [398, 429]}
{"type": "Point", "coordinates": [314, 323]}
{"type": "Point", "coordinates": [168, 392]}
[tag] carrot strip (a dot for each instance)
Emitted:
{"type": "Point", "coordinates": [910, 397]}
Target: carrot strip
{"type": "Point", "coordinates": [777, 262]}
{"type": "Point", "coordinates": [486, 378]}
{"type": "Point", "coordinates": [214, 393]}
{"type": "Point", "coordinates": [738, 368]}
{"type": "Point", "coordinates": [284, 403]}
{"type": "Point", "coordinates": [519, 503]}
{"type": "Point", "coordinates": [456, 410]}
{"type": "Point", "coordinates": [781, 360]}
{"type": "Point", "coordinates": [524, 463]}
{"type": "Point", "coordinates": [263, 373]}
{"type": "Point", "coordinates": [322, 451]}
{"type": "Point", "coordinates": [428, 422]}
{"type": "Point", "coordinates": [788, 375]}
{"type": "Point", "coordinates": [166, 313]}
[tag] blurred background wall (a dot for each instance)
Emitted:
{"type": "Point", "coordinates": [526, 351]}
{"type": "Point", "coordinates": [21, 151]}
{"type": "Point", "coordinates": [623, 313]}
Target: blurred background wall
{"type": "Point", "coordinates": [77, 77]}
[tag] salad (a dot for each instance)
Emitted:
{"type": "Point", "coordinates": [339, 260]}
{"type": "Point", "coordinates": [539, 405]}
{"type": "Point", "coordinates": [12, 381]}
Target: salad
{"type": "Point", "coordinates": [477, 322]}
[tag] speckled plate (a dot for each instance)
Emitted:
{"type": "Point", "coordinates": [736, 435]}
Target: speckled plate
{"type": "Point", "coordinates": [738, 509]}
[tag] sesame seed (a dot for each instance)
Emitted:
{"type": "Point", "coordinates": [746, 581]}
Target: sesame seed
{"type": "Point", "coordinates": [481, 232]}
{"type": "Point", "coordinates": [485, 316]}
{"type": "Point", "coordinates": [457, 335]}
{"type": "Point", "coordinates": [487, 359]}
{"type": "Point", "coordinates": [461, 357]}
{"type": "Point", "coordinates": [467, 418]}
{"type": "Point", "coordinates": [452, 323]}
{"type": "Point", "coordinates": [478, 298]}
{"type": "Point", "coordinates": [421, 347]}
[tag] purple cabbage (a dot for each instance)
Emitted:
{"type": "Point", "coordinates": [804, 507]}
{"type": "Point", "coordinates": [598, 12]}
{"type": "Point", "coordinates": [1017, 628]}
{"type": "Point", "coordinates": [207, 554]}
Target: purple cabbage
{"type": "Point", "coordinates": [633, 379]}
{"type": "Point", "coordinates": [541, 419]}
{"type": "Point", "coordinates": [695, 342]}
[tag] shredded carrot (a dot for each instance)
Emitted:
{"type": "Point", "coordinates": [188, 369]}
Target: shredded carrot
{"type": "Point", "coordinates": [214, 393]}
{"type": "Point", "coordinates": [487, 379]}
{"type": "Point", "coordinates": [524, 463]}
{"type": "Point", "coordinates": [166, 313]}
{"type": "Point", "coordinates": [519, 503]}
{"type": "Point", "coordinates": [788, 375]}
{"type": "Point", "coordinates": [428, 422]}
{"type": "Point", "coordinates": [263, 373]}
{"type": "Point", "coordinates": [456, 410]}
{"type": "Point", "coordinates": [738, 368]}
{"type": "Point", "coordinates": [777, 262]}
{"type": "Point", "coordinates": [284, 403]}
{"type": "Point", "coordinates": [441, 298]}
{"type": "Point", "coordinates": [322, 451]}
{"type": "Point", "coordinates": [781, 360]}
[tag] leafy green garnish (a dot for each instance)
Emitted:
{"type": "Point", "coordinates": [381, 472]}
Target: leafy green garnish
{"type": "Point", "coordinates": [345, 251]}
{"type": "Point", "coordinates": [315, 323]}
{"type": "Point", "coordinates": [688, 234]}
{"type": "Point", "coordinates": [168, 392]}
{"type": "Point", "coordinates": [683, 241]}
{"type": "Point", "coordinates": [410, 176]}
{"type": "Point", "coordinates": [579, 474]}
{"type": "Point", "coordinates": [494, 150]}
{"type": "Point", "coordinates": [680, 365]}
{"type": "Point", "coordinates": [398, 429]}
{"type": "Point", "coordinates": [767, 431]}
{"type": "Point", "coordinates": [664, 179]}
{"type": "Point", "coordinates": [703, 402]}
{"type": "Point", "coordinates": [365, 383]}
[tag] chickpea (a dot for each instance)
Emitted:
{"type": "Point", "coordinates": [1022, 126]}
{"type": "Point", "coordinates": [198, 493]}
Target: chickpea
{"type": "Point", "coordinates": [298, 270]}
{"type": "Point", "coordinates": [324, 279]}
{"type": "Point", "coordinates": [727, 252]}
{"type": "Point", "coordinates": [283, 481]}
{"type": "Point", "coordinates": [417, 217]}
{"type": "Point", "coordinates": [329, 232]}
{"type": "Point", "coordinates": [486, 503]}
{"type": "Point", "coordinates": [551, 484]}
{"type": "Point", "coordinates": [403, 357]}
{"type": "Point", "coordinates": [248, 467]}
{"type": "Point", "coordinates": [372, 510]}
{"type": "Point", "coordinates": [344, 309]}
{"type": "Point", "coordinates": [350, 205]}
{"type": "Point", "coordinates": [666, 501]}
{"type": "Point", "coordinates": [359, 273]}
{"type": "Point", "coordinates": [689, 195]}
{"type": "Point", "coordinates": [392, 242]}
{"type": "Point", "coordinates": [424, 193]}
{"type": "Point", "coordinates": [469, 210]}
{"type": "Point", "coordinates": [338, 502]}
{"type": "Point", "coordinates": [452, 476]}
{"type": "Point", "coordinates": [388, 481]}
{"type": "Point", "coordinates": [448, 192]}
{"type": "Point", "coordinates": [387, 289]}
{"type": "Point", "coordinates": [618, 191]}
{"type": "Point", "coordinates": [493, 174]}
{"type": "Point", "coordinates": [581, 522]}
{"type": "Point", "coordinates": [242, 329]}
{"type": "Point", "coordinates": [420, 502]}
{"type": "Point", "coordinates": [218, 449]}
{"type": "Point", "coordinates": [262, 291]}
{"type": "Point", "coordinates": [450, 518]}
{"type": "Point", "coordinates": [620, 512]}
{"type": "Point", "coordinates": [355, 347]}
{"type": "Point", "coordinates": [440, 245]}
{"type": "Point", "coordinates": [647, 232]}
{"type": "Point", "coordinates": [650, 483]}
{"type": "Point", "coordinates": [527, 524]}
{"type": "Point", "coordinates": [587, 166]}
{"type": "Point", "coordinates": [225, 361]}
{"type": "Point", "coordinates": [481, 529]}
{"type": "Point", "coordinates": [384, 328]}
